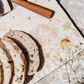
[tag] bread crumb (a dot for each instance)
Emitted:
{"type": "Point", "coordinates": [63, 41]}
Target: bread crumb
{"type": "Point", "coordinates": [35, 0]}
{"type": "Point", "coordinates": [13, 16]}
{"type": "Point", "coordinates": [50, 20]}
{"type": "Point", "coordinates": [29, 18]}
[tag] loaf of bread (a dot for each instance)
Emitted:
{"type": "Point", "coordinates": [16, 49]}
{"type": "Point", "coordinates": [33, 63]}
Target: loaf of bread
{"type": "Point", "coordinates": [7, 63]}
{"type": "Point", "coordinates": [18, 60]}
{"type": "Point", "coordinates": [30, 47]}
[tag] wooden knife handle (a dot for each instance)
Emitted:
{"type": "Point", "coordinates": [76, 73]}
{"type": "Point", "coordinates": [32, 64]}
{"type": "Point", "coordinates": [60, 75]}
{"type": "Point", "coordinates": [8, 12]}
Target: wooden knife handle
{"type": "Point", "coordinates": [35, 8]}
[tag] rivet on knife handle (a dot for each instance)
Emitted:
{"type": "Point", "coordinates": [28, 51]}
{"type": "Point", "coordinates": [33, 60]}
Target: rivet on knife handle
{"type": "Point", "coordinates": [35, 8]}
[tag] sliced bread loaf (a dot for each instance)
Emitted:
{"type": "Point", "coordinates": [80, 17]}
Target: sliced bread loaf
{"type": "Point", "coordinates": [23, 39]}
{"type": "Point", "coordinates": [7, 63]}
{"type": "Point", "coordinates": [1, 73]}
{"type": "Point", "coordinates": [18, 60]}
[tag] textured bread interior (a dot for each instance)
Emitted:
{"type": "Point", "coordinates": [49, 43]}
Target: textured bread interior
{"type": "Point", "coordinates": [19, 65]}
{"type": "Point", "coordinates": [7, 66]}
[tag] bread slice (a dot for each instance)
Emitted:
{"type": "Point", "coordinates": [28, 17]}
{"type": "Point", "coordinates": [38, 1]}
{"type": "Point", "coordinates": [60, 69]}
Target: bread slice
{"type": "Point", "coordinates": [7, 63]}
{"type": "Point", "coordinates": [1, 73]}
{"type": "Point", "coordinates": [18, 59]}
{"type": "Point", "coordinates": [29, 45]}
